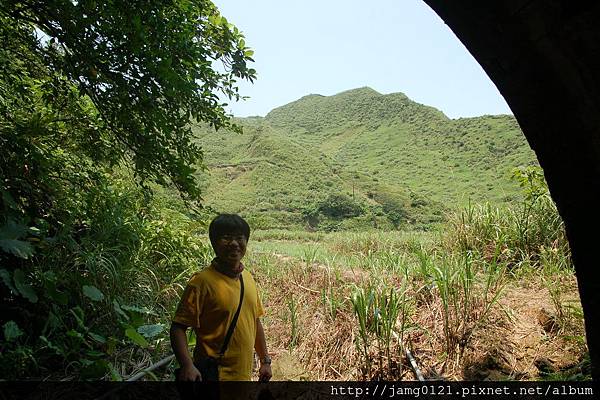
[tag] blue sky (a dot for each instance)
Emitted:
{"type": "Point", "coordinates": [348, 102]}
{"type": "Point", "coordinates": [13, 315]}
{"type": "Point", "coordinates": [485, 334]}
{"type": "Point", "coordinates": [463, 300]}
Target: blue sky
{"type": "Point", "coordinates": [328, 46]}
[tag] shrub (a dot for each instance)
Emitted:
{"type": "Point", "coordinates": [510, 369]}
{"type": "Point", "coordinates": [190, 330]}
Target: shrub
{"type": "Point", "coordinates": [521, 233]}
{"type": "Point", "coordinates": [103, 283]}
{"type": "Point", "coordinates": [339, 206]}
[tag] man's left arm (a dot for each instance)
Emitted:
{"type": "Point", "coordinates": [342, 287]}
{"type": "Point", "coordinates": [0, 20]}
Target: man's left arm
{"type": "Point", "coordinates": [260, 345]}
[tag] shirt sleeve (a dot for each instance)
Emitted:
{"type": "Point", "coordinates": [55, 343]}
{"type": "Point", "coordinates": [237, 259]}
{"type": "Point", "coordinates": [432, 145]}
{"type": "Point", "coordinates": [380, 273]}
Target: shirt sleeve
{"type": "Point", "coordinates": [188, 310]}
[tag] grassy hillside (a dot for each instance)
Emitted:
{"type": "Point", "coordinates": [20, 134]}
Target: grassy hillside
{"type": "Point", "coordinates": [326, 115]}
{"type": "Point", "coordinates": [360, 159]}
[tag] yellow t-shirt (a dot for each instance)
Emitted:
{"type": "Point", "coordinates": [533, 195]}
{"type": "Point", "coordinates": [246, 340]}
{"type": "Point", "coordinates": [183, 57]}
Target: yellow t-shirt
{"type": "Point", "coordinates": [208, 305]}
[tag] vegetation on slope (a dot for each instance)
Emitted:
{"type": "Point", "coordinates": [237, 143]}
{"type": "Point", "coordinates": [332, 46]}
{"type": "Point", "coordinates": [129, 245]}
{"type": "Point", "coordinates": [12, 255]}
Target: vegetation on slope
{"type": "Point", "coordinates": [402, 164]}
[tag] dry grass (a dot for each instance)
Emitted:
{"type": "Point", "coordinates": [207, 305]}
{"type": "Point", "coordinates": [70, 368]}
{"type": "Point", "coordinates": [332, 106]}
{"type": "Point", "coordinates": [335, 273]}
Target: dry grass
{"type": "Point", "coordinates": [325, 346]}
{"type": "Point", "coordinates": [507, 343]}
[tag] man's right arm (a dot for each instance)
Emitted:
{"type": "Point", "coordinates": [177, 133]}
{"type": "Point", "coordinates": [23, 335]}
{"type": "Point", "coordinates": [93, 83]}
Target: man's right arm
{"type": "Point", "coordinates": [180, 348]}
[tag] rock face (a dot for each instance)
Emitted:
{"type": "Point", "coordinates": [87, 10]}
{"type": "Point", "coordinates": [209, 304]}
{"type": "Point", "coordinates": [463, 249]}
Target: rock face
{"type": "Point", "coordinates": [542, 56]}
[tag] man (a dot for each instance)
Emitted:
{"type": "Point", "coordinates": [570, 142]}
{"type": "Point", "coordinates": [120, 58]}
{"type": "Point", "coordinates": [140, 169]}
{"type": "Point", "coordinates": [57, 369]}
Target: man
{"type": "Point", "coordinates": [209, 303]}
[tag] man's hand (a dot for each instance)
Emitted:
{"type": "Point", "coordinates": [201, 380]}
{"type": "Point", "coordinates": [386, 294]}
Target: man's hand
{"type": "Point", "coordinates": [189, 373]}
{"type": "Point", "coordinates": [260, 345]}
{"type": "Point", "coordinates": [264, 373]}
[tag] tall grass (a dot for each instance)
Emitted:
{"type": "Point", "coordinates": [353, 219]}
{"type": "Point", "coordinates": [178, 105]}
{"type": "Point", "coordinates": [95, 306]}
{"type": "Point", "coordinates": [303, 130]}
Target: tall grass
{"type": "Point", "coordinates": [331, 302]}
{"type": "Point", "coordinates": [362, 302]}
{"type": "Point", "coordinates": [381, 311]}
{"type": "Point", "coordinates": [293, 312]}
{"type": "Point", "coordinates": [467, 289]}
{"type": "Point", "coordinates": [555, 272]}
{"type": "Point", "coordinates": [521, 233]}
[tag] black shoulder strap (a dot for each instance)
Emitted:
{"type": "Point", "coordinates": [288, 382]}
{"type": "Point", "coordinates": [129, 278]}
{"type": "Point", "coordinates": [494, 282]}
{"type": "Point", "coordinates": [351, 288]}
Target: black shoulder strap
{"type": "Point", "coordinates": [233, 321]}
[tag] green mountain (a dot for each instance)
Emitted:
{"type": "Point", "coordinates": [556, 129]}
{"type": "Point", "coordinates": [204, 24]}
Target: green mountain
{"type": "Point", "coordinates": [360, 159]}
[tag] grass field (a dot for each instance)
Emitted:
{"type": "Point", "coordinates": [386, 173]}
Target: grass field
{"type": "Point", "coordinates": [334, 300]}
{"type": "Point", "coordinates": [491, 294]}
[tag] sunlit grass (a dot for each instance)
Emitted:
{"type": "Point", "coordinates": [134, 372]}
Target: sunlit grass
{"type": "Point", "coordinates": [446, 287]}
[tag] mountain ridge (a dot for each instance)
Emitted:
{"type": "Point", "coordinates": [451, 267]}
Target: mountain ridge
{"type": "Point", "coordinates": [364, 105]}
{"type": "Point", "coordinates": [396, 161]}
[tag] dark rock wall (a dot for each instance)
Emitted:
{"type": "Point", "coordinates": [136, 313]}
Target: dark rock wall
{"type": "Point", "coordinates": [544, 57]}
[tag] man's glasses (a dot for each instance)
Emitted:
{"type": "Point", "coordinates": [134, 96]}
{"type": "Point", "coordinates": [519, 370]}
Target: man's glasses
{"type": "Point", "coordinates": [227, 239]}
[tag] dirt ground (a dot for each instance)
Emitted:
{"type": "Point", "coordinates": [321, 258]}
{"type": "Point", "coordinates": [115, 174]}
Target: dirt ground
{"type": "Point", "coordinates": [530, 343]}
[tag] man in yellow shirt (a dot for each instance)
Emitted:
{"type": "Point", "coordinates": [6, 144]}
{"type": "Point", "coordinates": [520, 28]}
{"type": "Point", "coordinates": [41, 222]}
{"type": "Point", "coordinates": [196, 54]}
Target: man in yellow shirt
{"type": "Point", "coordinates": [209, 305]}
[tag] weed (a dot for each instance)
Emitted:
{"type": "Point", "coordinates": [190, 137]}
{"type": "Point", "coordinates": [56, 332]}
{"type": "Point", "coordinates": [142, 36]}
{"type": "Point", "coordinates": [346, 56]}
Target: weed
{"type": "Point", "coordinates": [293, 310]}
{"type": "Point", "coordinates": [466, 297]}
{"type": "Point", "coordinates": [378, 310]}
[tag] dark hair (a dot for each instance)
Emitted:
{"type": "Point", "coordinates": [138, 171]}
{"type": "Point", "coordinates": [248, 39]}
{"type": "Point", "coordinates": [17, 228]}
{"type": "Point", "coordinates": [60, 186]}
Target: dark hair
{"type": "Point", "coordinates": [225, 224]}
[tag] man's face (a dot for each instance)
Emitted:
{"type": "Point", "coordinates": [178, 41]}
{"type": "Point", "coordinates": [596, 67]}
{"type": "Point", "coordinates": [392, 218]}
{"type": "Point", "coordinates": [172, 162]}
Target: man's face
{"type": "Point", "coordinates": [231, 247]}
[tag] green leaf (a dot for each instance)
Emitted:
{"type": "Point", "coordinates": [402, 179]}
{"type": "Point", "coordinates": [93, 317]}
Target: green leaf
{"type": "Point", "coordinates": [150, 331]}
{"type": "Point", "coordinates": [25, 289]}
{"type": "Point", "coordinates": [115, 376]}
{"type": "Point", "coordinates": [85, 362]}
{"type": "Point", "coordinates": [52, 346]}
{"type": "Point", "coordinates": [7, 279]}
{"type": "Point", "coordinates": [215, 19]}
{"type": "Point", "coordinates": [136, 337]}
{"type": "Point", "coordinates": [17, 248]}
{"type": "Point", "coordinates": [12, 230]}
{"type": "Point", "coordinates": [74, 334]}
{"type": "Point", "coordinates": [119, 311]}
{"type": "Point", "coordinates": [93, 293]}
{"type": "Point", "coordinates": [77, 312]}
{"type": "Point", "coordinates": [98, 338]}
{"type": "Point", "coordinates": [50, 289]}
{"type": "Point", "coordinates": [140, 310]}
{"type": "Point", "coordinates": [8, 199]}
{"type": "Point", "coordinates": [94, 370]}
{"type": "Point", "coordinates": [111, 346]}
{"type": "Point", "coordinates": [11, 331]}
{"type": "Point", "coordinates": [58, 297]}
{"type": "Point", "coordinates": [52, 322]}
{"type": "Point", "coordinates": [94, 354]}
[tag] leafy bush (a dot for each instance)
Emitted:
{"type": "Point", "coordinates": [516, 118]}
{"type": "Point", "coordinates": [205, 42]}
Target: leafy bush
{"type": "Point", "coordinates": [75, 298]}
{"type": "Point", "coordinates": [338, 206]}
{"type": "Point", "coordinates": [94, 107]}
{"type": "Point", "coordinates": [329, 213]}
{"type": "Point", "coordinates": [522, 233]}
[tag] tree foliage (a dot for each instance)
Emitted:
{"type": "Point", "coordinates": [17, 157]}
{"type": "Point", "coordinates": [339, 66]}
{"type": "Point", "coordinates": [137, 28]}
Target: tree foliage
{"type": "Point", "coordinates": [332, 209]}
{"type": "Point", "coordinates": [338, 205]}
{"type": "Point", "coordinates": [94, 97]}
{"type": "Point", "coordinates": [143, 70]}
